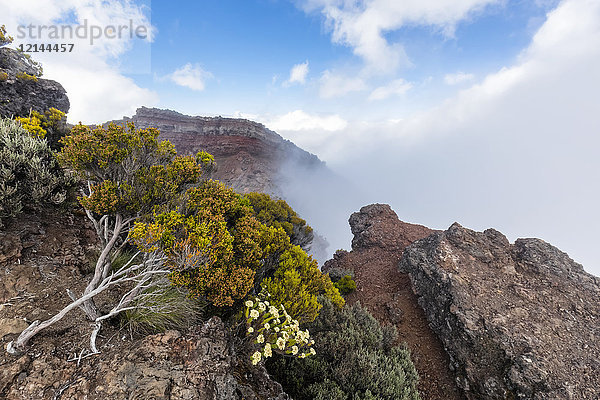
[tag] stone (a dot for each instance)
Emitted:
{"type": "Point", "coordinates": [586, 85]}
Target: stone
{"type": "Point", "coordinates": [9, 326]}
{"type": "Point", "coordinates": [519, 321]}
{"type": "Point", "coordinates": [18, 97]}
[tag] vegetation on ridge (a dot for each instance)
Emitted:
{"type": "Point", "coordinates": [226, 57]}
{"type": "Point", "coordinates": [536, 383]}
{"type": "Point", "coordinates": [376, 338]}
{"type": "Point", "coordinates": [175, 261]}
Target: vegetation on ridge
{"type": "Point", "coordinates": [30, 176]}
{"type": "Point", "coordinates": [176, 248]}
{"type": "Point", "coordinates": [355, 359]}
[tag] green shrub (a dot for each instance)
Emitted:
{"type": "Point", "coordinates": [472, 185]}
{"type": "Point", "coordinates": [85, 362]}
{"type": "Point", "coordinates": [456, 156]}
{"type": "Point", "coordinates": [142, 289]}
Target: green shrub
{"type": "Point", "coordinates": [218, 250]}
{"type": "Point", "coordinates": [355, 359]}
{"type": "Point", "coordinates": [336, 273]}
{"type": "Point", "coordinates": [4, 37]}
{"type": "Point", "coordinates": [346, 285]}
{"type": "Point", "coordinates": [30, 177]}
{"type": "Point", "coordinates": [3, 76]}
{"type": "Point", "coordinates": [51, 125]}
{"type": "Point", "coordinates": [297, 283]}
{"type": "Point", "coordinates": [279, 214]}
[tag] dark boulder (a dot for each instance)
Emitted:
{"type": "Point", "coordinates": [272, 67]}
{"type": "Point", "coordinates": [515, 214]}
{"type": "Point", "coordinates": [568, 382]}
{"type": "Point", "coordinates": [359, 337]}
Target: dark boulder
{"type": "Point", "coordinates": [18, 96]}
{"type": "Point", "coordinates": [519, 321]}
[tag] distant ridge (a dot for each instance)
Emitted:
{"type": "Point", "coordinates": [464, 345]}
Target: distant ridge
{"type": "Point", "coordinates": [249, 156]}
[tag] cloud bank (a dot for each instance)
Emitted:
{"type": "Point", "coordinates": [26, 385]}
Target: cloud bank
{"type": "Point", "coordinates": [517, 151]}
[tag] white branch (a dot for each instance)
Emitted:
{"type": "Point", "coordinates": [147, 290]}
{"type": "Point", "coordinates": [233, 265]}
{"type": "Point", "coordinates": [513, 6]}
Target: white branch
{"type": "Point", "coordinates": [141, 273]}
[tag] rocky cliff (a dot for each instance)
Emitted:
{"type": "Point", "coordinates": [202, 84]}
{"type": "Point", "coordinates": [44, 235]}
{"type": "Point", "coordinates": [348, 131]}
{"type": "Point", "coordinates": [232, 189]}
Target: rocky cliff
{"type": "Point", "coordinates": [250, 157]}
{"type": "Point", "coordinates": [20, 95]}
{"type": "Point", "coordinates": [483, 318]}
{"type": "Point", "coordinates": [519, 321]}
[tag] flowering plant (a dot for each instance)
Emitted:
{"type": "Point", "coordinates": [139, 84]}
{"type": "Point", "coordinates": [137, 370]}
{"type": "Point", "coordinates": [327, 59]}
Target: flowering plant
{"type": "Point", "coordinates": [272, 329]}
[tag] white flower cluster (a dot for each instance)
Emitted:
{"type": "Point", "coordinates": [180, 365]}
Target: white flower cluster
{"type": "Point", "coordinates": [273, 329]}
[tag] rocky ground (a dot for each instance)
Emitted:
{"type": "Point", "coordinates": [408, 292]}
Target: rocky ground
{"type": "Point", "coordinates": [519, 321]}
{"type": "Point", "coordinates": [379, 239]}
{"type": "Point", "coordinates": [39, 260]}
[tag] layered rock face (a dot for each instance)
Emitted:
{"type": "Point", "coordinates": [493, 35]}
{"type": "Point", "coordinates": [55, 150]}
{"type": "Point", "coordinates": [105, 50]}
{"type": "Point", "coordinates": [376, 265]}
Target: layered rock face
{"type": "Point", "coordinates": [250, 158]}
{"type": "Point", "coordinates": [519, 321]}
{"type": "Point", "coordinates": [19, 96]}
{"type": "Point", "coordinates": [379, 239]}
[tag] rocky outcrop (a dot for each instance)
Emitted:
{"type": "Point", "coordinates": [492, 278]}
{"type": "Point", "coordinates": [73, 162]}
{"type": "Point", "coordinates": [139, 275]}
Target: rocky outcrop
{"type": "Point", "coordinates": [377, 225]}
{"type": "Point", "coordinates": [194, 366]}
{"type": "Point", "coordinates": [18, 96]}
{"type": "Point", "coordinates": [250, 158]}
{"type": "Point", "coordinates": [519, 321]}
{"type": "Point", "coordinates": [379, 239]}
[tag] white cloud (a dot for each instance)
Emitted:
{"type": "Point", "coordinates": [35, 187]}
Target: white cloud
{"type": "Point", "coordinates": [299, 120]}
{"type": "Point", "coordinates": [457, 78]}
{"type": "Point", "coordinates": [298, 74]}
{"type": "Point", "coordinates": [191, 76]}
{"type": "Point", "coordinates": [362, 24]}
{"type": "Point", "coordinates": [395, 88]}
{"type": "Point", "coordinates": [97, 89]}
{"type": "Point", "coordinates": [336, 85]}
{"type": "Point", "coordinates": [99, 93]}
{"type": "Point", "coordinates": [517, 151]}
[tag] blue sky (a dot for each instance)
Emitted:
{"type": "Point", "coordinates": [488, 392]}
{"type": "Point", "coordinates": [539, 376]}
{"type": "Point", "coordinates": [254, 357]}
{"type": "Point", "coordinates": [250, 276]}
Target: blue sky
{"type": "Point", "coordinates": [484, 112]}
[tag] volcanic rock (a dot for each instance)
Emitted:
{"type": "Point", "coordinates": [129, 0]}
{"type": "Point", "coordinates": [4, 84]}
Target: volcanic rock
{"type": "Point", "coordinates": [519, 321]}
{"type": "Point", "coordinates": [19, 96]}
{"type": "Point", "coordinates": [379, 239]}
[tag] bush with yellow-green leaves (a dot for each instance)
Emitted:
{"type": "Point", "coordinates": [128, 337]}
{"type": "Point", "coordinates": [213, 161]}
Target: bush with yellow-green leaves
{"type": "Point", "coordinates": [4, 37]}
{"type": "Point", "coordinates": [24, 76]}
{"type": "Point", "coordinates": [218, 250]}
{"type": "Point", "coordinates": [277, 213]}
{"type": "Point", "coordinates": [40, 125]}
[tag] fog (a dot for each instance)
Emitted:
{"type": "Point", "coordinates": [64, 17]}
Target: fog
{"type": "Point", "coordinates": [519, 151]}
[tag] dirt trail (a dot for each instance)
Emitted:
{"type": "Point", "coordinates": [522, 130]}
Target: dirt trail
{"type": "Point", "coordinates": [379, 239]}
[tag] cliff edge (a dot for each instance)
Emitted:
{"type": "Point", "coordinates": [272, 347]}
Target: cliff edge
{"type": "Point", "coordinates": [519, 321]}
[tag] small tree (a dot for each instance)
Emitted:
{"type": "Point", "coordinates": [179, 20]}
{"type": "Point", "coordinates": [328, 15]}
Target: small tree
{"type": "Point", "coordinates": [129, 173]}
